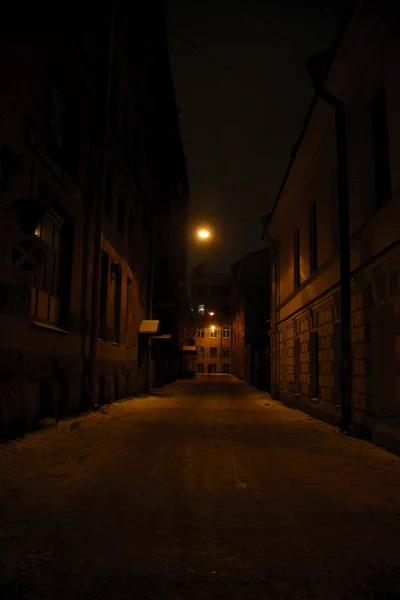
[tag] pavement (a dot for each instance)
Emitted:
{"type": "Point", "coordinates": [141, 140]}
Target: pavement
{"type": "Point", "coordinates": [206, 489]}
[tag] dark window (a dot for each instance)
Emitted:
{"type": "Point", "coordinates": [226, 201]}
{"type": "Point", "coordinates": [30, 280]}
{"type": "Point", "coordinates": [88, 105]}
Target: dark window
{"type": "Point", "coordinates": [117, 305]}
{"type": "Point", "coordinates": [128, 311]}
{"type": "Point", "coordinates": [213, 368]}
{"type": "Point", "coordinates": [108, 193]}
{"type": "Point", "coordinates": [296, 258]}
{"type": "Point", "coordinates": [380, 148]}
{"type": "Point", "coordinates": [200, 351]}
{"type": "Point", "coordinates": [213, 352]}
{"type": "Point", "coordinates": [131, 234]}
{"type": "Point", "coordinates": [199, 291]}
{"type": "Point", "coordinates": [297, 365]}
{"type": "Point", "coordinates": [45, 297]}
{"type": "Point", "coordinates": [226, 311]}
{"type": "Point", "coordinates": [103, 296]}
{"type": "Point", "coordinates": [314, 364]}
{"type": "Point", "coordinates": [121, 216]}
{"type": "Point", "coordinates": [225, 368]}
{"type": "Point", "coordinates": [200, 367]}
{"type": "Point", "coordinates": [312, 229]}
{"type": "Point", "coordinates": [57, 119]}
{"type": "Point", "coordinates": [226, 332]}
{"type": "Point", "coordinates": [200, 332]}
{"type": "Point", "coordinates": [226, 353]}
{"type": "Point", "coordinates": [114, 105]}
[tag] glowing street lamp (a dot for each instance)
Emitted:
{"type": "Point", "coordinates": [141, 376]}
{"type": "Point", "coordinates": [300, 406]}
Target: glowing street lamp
{"type": "Point", "coordinates": [211, 313]}
{"type": "Point", "coordinates": [203, 234]}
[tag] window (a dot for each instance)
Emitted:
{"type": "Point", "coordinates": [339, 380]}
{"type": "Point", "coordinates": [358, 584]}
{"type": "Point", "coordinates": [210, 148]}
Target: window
{"type": "Point", "coordinates": [312, 229]}
{"type": "Point", "coordinates": [45, 299]}
{"type": "Point", "coordinates": [201, 309]}
{"type": "Point", "coordinates": [226, 311]}
{"type": "Point", "coordinates": [213, 332]}
{"type": "Point", "coordinates": [380, 148]}
{"type": "Point", "coordinates": [200, 351]}
{"type": "Point", "coordinates": [296, 257]}
{"type": "Point", "coordinates": [200, 332]}
{"type": "Point", "coordinates": [226, 353]}
{"type": "Point", "coordinates": [57, 120]}
{"type": "Point", "coordinates": [200, 367]}
{"type": "Point", "coordinates": [225, 368]}
{"type": "Point", "coordinates": [103, 295]}
{"type": "Point", "coordinates": [226, 332]}
{"type": "Point", "coordinates": [131, 234]}
{"type": "Point", "coordinates": [213, 368]}
{"type": "Point", "coordinates": [128, 311]}
{"type": "Point", "coordinates": [314, 364]}
{"type": "Point", "coordinates": [108, 194]}
{"type": "Point", "coordinates": [213, 352]}
{"type": "Point", "coordinates": [121, 216]}
{"type": "Point", "coordinates": [117, 305]}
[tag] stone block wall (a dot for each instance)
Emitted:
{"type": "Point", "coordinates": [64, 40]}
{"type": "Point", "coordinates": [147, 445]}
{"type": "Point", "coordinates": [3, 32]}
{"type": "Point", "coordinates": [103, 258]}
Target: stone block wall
{"type": "Point", "coordinates": [36, 386]}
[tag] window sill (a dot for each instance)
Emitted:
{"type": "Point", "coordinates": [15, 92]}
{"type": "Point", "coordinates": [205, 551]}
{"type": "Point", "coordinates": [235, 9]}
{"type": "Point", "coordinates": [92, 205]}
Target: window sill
{"type": "Point", "coordinates": [48, 326]}
{"type": "Point", "coordinates": [116, 344]}
{"type": "Point", "coordinates": [128, 347]}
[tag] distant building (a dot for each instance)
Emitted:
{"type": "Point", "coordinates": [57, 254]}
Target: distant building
{"type": "Point", "coordinates": [91, 167]}
{"type": "Point", "coordinates": [303, 233]}
{"type": "Point", "coordinates": [211, 310]}
{"type": "Point", "coordinates": [251, 319]}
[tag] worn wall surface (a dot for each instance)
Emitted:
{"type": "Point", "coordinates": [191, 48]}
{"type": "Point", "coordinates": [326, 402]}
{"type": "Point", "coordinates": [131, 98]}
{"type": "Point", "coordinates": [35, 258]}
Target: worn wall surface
{"type": "Point", "coordinates": [308, 312]}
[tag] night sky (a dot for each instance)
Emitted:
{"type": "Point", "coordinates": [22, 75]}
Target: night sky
{"type": "Point", "coordinates": [243, 95]}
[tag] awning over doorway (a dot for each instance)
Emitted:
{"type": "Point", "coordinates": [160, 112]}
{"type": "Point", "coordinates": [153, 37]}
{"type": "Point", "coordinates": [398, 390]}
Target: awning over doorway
{"type": "Point", "coordinates": [189, 349]}
{"type": "Point", "coordinates": [148, 327]}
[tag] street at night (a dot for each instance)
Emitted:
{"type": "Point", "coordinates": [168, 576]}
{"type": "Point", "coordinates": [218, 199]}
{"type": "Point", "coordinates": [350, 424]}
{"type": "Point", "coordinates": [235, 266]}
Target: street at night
{"type": "Point", "coordinates": [206, 488]}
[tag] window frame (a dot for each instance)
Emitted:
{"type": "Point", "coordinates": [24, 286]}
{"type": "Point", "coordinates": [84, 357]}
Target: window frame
{"type": "Point", "coordinates": [226, 329]}
{"type": "Point", "coordinates": [48, 289]}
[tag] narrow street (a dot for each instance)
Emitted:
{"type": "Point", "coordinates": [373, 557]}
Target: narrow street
{"type": "Point", "coordinates": [206, 489]}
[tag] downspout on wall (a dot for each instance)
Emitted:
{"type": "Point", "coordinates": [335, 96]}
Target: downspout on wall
{"type": "Point", "coordinates": [98, 241]}
{"type": "Point", "coordinates": [318, 67]}
{"type": "Point", "coordinates": [274, 302]}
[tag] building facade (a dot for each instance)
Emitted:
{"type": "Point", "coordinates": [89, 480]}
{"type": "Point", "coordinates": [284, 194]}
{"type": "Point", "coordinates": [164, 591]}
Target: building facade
{"type": "Point", "coordinates": [251, 319]}
{"type": "Point", "coordinates": [211, 318]}
{"type": "Point", "coordinates": [303, 233]}
{"type": "Point", "coordinates": [87, 117]}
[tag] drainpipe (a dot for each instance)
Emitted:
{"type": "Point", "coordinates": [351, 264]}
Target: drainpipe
{"type": "Point", "coordinates": [317, 67]}
{"type": "Point", "coordinates": [274, 391]}
{"type": "Point", "coordinates": [98, 241]}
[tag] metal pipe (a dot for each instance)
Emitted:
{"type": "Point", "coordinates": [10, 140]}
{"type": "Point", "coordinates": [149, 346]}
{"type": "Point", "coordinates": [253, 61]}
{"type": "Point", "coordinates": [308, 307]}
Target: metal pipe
{"type": "Point", "coordinates": [316, 70]}
{"type": "Point", "coordinates": [98, 241]}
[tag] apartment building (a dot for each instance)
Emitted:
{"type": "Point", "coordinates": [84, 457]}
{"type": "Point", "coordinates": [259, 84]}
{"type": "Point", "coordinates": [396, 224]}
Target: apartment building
{"type": "Point", "coordinates": [306, 224]}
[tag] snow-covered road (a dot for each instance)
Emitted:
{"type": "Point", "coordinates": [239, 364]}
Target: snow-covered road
{"type": "Point", "coordinates": [206, 489]}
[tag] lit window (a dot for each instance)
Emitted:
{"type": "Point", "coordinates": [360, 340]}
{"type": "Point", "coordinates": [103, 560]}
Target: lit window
{"type": "Point", "coordinates": [45, 299]}
{"type": "Point", "coordinates": [201, 309]}
{"type": "Point", "coordinates": [213, 332]}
